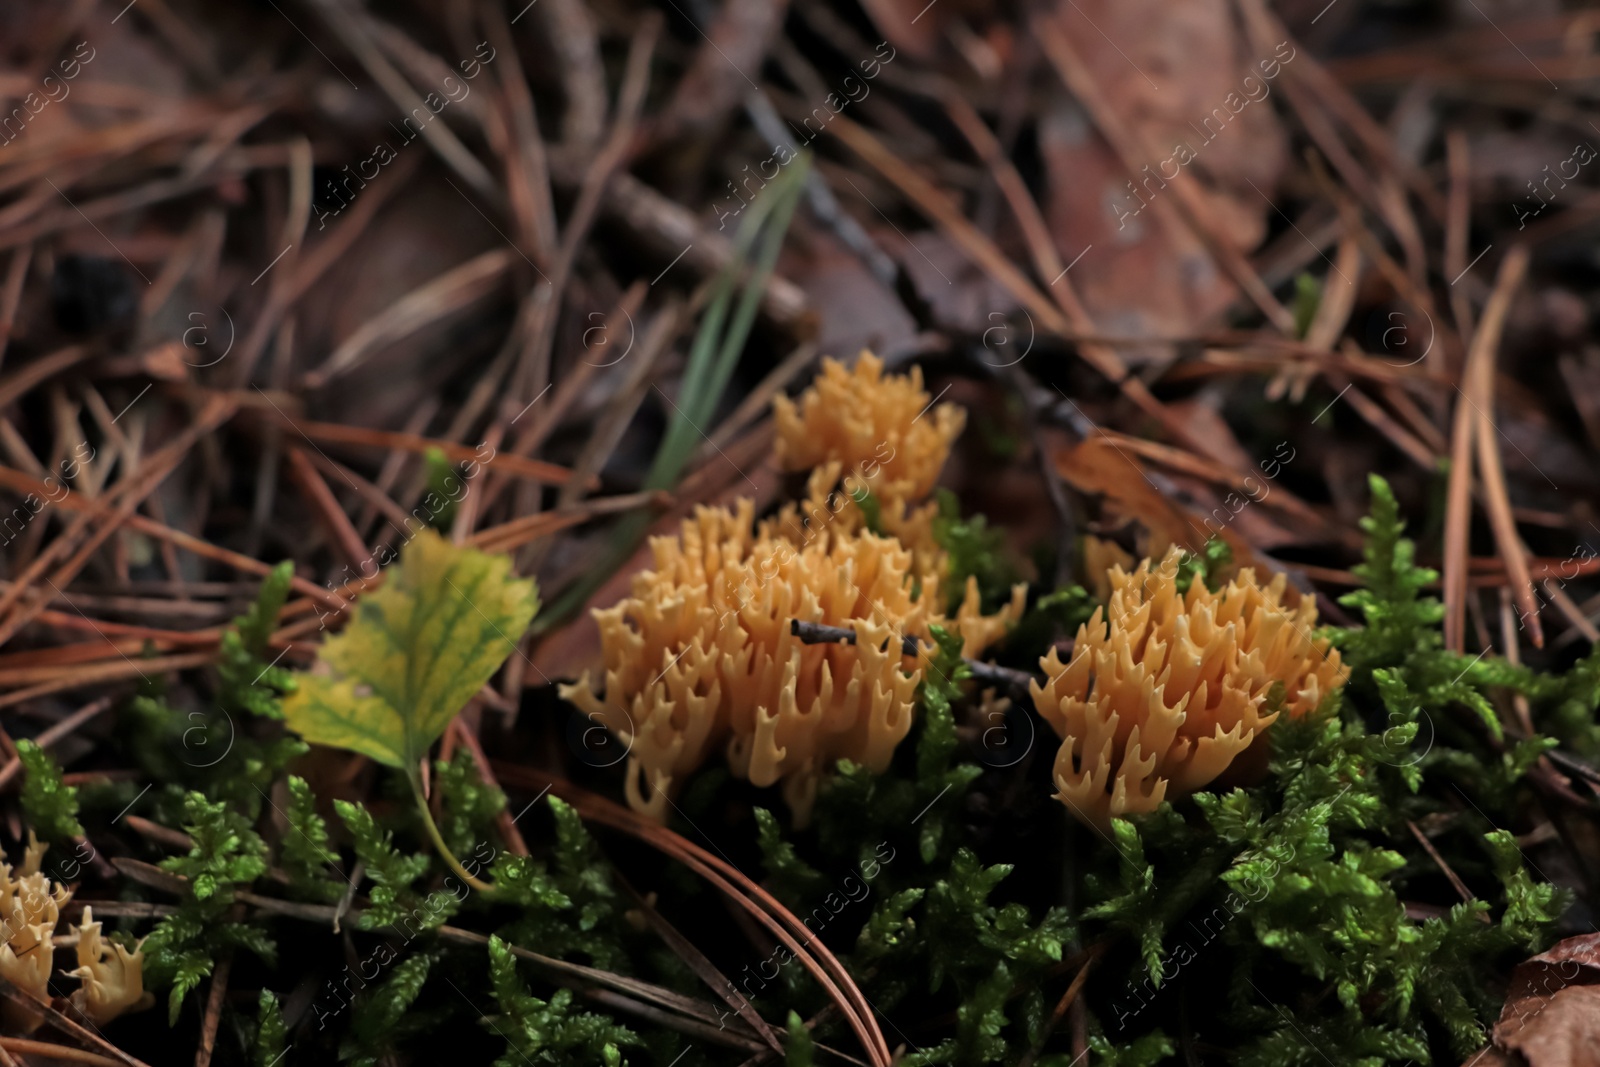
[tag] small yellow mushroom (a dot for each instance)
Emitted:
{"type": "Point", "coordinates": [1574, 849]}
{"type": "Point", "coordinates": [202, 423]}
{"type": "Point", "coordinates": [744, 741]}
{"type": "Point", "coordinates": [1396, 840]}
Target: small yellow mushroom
{"type": "Point", "coordinates": [1099, 556]}
{"type": "Point", "coordinates": [870, 432]}
{"type": "Point", "coordinates": [878, 426]}
{"type": "Point", "coordinates": [30, 906]}
{"type": "Point", "coordinates": [1164, 690]}
{"type": "Point", "coordinates": [701, 654]}
{"type": "Point", "coordinates": [113, 977]}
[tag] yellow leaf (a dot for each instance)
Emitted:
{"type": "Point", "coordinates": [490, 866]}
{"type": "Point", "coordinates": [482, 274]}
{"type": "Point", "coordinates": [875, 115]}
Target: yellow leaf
{"type": "Point", "coordinates": [417, 650]}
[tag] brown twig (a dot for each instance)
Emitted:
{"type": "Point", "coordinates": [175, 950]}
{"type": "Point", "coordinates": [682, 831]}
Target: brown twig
{"type": "Point", "coordinates": [815, 633]}
{"type": "Point", "coordinates": [1472, 423]}
{"type": "Point", "coordinates": [69, 1026]}
{"type": "Point", "coordinates": [133, 489]}
{"type": "Point", "coordinates": [1455, 879]}
{"type": "Point", "coordinates": [1480, 368]}
{"type": "Point", "coordinates": [55, 733]}
{"type": "Point", "coordinates": [213, 1012]}
{"type": "Point", "coordinates": [515, 134]}
{"type": "Point", "coordinates": [1067, 1000]}
{"type": "Point", "coordinates": [121, 670]}
{"type": "Point", "coordinates": [341, 533]}
{"type": "Point", "coordinates": [439, 298]}
{"type": "Point", "coordinates": [52, 1052]}
{"type": "Point", "coordinates": [352, 26]}
{"type": "Point", "coordinates": [363, 437]}
{"type": "Point", "coordinates": [815, 956]}
{"type": "Point", "coordinates": [532, 371]}
{"type": "Point", "coordinates": [704, 969]}
{"type": "Point", "coordinates": [686, 1013]}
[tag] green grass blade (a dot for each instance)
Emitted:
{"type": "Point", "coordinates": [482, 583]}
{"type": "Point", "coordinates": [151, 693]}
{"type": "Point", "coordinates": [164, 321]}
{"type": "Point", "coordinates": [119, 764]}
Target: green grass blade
{"type": "Point", "coordinates": [713, 355]}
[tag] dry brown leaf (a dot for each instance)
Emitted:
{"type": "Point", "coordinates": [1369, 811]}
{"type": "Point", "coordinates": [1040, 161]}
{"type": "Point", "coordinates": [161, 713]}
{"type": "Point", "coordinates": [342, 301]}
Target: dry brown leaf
{"type": "Point", "coordinates": [1209, 429]}
{"type": "Point", "coordinates": [1097, 465]}
{"type": "Point", "coordinates": [856, 309]}
{"type": "Point", "coordinates": [1163, 67]}
{"type": "Point", "coordinates": [1551, 1016]}
{"type": "Point", "coordinates": [960, 293]}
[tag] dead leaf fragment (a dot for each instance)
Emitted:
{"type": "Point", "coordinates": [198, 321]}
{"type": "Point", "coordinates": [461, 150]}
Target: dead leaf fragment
{"type": "Point", "coordinates": [1551, 1016]}
{"type": "Point", "coordinates": [1181, 82]}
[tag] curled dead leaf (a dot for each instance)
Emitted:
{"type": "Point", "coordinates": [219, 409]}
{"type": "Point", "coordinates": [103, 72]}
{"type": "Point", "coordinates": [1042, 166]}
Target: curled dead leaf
{"type": "Point", "coordinates": [1180, 87]}
{"type": "Point", "coordinates": [1129, 490]}
{"type": "Point", "coordinates": [1551, 1016]}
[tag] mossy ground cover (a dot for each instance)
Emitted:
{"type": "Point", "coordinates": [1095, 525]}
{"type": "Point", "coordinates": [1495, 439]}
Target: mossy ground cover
{"type": "Point", "coordinates": [351, 351]}
{"type": "Point", "coordinates": [1298, 918]}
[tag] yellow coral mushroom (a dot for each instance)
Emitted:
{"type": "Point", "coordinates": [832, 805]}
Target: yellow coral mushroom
{"type": "Point", "coordinates": [877, 425]}
{"type": "Point", "coordinates": [701, 654]}
{"type": "Point", "coordinates": [881, 434]}
{"type": "Point", "coordinates": [113, 977]}
{"type": "Point", "coordinates": [1165, 689]}
{"type": "Point", "coordinates": [30, 906]}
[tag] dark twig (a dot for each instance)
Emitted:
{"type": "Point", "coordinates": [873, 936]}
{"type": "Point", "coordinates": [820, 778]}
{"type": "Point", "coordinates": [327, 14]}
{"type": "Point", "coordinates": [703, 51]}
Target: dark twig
{"type": "Point", "coordinates": [1573, 765]}
{"type": "Point", "coordinates": [989, 674]}
{"type": "Point", "coordinates": [1455, 879]}
{"type": "Point", "coordinates": [213, 1015]}
{"type": "Point", "coordinates": [703, 968]}
{"type": "Point", "coordinates": [1068, 998]}
{"type": "Point", "coordinates": [56, 733]}
{"type": "Point", "coordinates": [685, 1013]}
{"type": "Point", "coordinates": [68, 1026]}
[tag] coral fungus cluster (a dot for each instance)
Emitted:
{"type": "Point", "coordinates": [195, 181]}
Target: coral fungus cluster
{"type": "Point", "coordinates": [30, 908]}
{"type": "Point", "coordinates": [1164, 689]}
{"type": "Point", "coordinates": [701, 654]}
{"type": "Point", "coordinates": [877, 425]}
{"type": "Point", "coordinates": [869, 433]}
{"type": "Point", "coordinates": [113, 977]}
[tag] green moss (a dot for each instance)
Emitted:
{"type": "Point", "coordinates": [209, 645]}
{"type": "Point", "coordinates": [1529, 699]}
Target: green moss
{"type": "Point", "coordinates": [306, 852]}
{"type": "Point", "coordinates": [271, 1032]}
{"type": "Point", "coordinates": [226, 855]}
{"type": "Point", "coordinates": [384, 1016]}
{"type": "Point", "coordinates": [548, 1031]}
{"type": "Point", "coordinates": [976, 550]}
{"type": "Point", "coordinates": [251, 680]}
{"type": "Point", "coordinates": [50, 805]}
{"type": "Point", "coordinates": [1292, 919]}
{"type": "Point", "coordinates": [392, 874]}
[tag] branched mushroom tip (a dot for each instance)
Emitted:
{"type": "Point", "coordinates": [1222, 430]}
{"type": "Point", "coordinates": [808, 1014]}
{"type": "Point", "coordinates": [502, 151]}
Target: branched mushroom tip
{"type": "Point", "coordinates": [867, 432]}
{"type": "Point", "coordinates": [113, 977]}
{"type": "Point", "coordinates": [879, 426]}
{"type": "Point", "coordinates": [703, 654]}
{"type": "Point", "coordinates": [1164, 690]}
{"type": "Point", "coordinates": [30, 906]}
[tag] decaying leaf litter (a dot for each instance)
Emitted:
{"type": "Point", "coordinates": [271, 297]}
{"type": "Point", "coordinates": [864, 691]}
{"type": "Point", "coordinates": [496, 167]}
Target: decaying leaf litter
{"type": "Point", "coordinates": [311, 306]}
